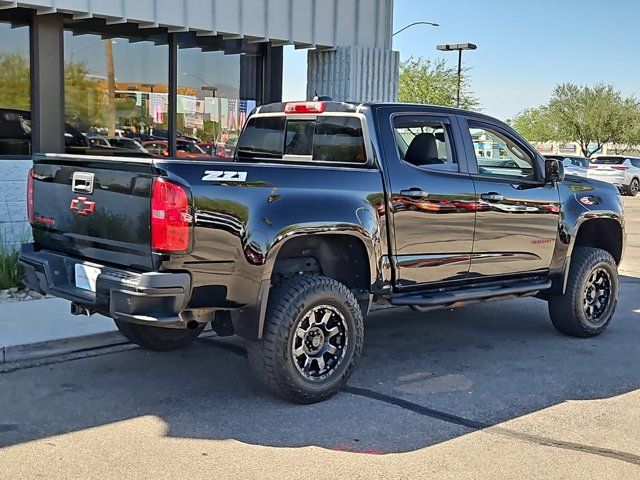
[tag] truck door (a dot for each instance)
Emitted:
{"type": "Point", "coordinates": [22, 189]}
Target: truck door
{"type": "Point", "coordinates": [431, 198]}
{"type": "Point", "coordinates": [518, 214]}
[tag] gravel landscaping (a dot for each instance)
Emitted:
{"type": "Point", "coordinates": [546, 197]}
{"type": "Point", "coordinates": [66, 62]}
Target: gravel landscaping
{"type": "Point", "coordinates": [19, 295]}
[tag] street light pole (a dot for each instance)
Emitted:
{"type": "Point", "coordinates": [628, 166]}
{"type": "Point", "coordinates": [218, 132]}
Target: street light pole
{"type": "Point", "coordinates": [459, 47]}
{"type": "Point", "coordinates": [413, 25]}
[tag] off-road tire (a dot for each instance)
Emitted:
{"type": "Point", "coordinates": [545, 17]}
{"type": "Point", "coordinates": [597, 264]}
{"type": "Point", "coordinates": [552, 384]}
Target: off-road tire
{"type": "Point", "coordinates": [272, 358]}
{"type": "Point", "coordinates": [156, 338]}
{"type": "Point", "coordinates": [568, 311]}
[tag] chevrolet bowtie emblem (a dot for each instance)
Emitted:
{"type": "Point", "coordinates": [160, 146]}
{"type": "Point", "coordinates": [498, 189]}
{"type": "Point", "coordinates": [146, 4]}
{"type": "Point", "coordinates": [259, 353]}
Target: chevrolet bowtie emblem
{"type": "Point", "coordinates": [82, 206]}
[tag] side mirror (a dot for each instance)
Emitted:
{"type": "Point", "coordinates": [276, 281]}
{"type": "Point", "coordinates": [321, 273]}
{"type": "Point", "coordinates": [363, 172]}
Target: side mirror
{"type": "Point", "coordinates": [553, 171]}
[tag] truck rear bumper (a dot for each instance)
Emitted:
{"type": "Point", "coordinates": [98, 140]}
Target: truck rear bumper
{"type": "Point", "coordinates": [154, 298]}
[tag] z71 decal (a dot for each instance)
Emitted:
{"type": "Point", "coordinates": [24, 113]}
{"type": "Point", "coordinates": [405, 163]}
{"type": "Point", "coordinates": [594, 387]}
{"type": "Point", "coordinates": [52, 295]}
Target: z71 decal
{"type": "Point", "coordinates": [220, 176]}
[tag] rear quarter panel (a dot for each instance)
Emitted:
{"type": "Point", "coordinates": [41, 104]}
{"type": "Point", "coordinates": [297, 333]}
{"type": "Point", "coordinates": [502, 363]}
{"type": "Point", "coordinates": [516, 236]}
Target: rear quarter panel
{"type": "Point", "coordinates": [241, 225]}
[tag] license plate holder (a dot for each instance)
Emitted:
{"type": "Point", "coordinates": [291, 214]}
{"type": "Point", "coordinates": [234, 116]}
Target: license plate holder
{"type": "Point", "coordinates": [87, 276]}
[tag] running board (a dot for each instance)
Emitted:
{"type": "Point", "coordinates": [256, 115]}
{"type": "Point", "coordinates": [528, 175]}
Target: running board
{"type": "Point", "coordinates": [473, 294]}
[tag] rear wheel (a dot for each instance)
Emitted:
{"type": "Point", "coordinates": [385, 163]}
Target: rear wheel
{"type": "Point", "coordinates": [311, 341]}
{"type": "Point", "coordinates": [156, 338]}
{"type": "Point", "coordinates": [634, 187]}
{"type": "Point", "coordinates": [588, 306]}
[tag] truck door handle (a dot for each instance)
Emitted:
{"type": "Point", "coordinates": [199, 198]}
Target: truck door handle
{"type": "Point", "coordinates": [414, 193]}
{"type": "Point", "coordinates": [492, 197]}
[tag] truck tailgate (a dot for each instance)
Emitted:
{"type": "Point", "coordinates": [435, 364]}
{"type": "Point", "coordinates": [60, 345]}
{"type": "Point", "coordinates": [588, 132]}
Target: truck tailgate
{"type": "Point", "coordinates": [94, 208]}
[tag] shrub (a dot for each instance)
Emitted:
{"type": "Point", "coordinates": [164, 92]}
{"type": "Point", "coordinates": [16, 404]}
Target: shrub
{"type": "Point", "coordinates": [10, 272]}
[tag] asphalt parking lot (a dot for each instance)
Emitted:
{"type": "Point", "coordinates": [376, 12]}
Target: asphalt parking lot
{"type": "Point", "coordinates": [491, 391]}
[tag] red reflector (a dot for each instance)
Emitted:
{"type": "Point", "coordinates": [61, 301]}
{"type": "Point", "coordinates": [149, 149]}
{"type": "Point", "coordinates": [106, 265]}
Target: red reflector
{"type": "Point", "coordinates": [30, 196]}
{"type": "Point", "coordinates": [305, 107]}
{"type": "Point", "coordinates": [170, 217]}
{"type": "Point", "coordinates": [620, 167]}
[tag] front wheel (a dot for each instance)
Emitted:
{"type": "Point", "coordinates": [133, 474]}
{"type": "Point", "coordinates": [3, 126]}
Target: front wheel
{"type": "Point", "coordinates": [311, 341]}
{"type": "Point", "coordinates": [157, 338]}
{"type": "Point", "coordinates": [588, 305]}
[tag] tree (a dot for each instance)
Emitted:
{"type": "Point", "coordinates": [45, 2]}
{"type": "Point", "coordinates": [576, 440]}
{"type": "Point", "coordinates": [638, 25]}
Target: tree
{"type": "Point", "coordinates": [434, 82]}
{"type": "Point", "coordinates": [590, 116]}
{"type": "Point", "coordinates": [15, 83]}
{"type": "Point", "coordinates": [535, 124]}
{"type": "Point", "coordinates": [84, 99]}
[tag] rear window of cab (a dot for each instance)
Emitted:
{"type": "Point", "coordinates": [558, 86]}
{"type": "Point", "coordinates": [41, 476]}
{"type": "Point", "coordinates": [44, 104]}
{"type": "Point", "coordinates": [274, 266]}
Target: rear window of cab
{"type": "Point", "coordinates": [323, 139]}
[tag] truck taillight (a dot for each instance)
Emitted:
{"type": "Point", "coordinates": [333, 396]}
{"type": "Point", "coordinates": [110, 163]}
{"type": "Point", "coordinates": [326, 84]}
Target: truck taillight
{"type": "Point", "coordinates": [170, 217]}
{"type": "Point", "coordinates": [30, 196]}
{"type": "Point", "coordinates": [305, 107]}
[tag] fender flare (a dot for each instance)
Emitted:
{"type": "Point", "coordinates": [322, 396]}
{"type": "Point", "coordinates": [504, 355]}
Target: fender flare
{"type": "Point", "coordinates": [249, 321]}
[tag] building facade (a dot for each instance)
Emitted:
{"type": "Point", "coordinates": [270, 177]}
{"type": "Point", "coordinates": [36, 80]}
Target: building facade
{"type": "Point", "coordinates": [173, 78]}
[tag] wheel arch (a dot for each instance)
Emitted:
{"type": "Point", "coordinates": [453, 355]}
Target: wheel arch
{"type": "Point", "coordinates": [588, 233]}
{"type": "Point", "coordinates": [344, 254]}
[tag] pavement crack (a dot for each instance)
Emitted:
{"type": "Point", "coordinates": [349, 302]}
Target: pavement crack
{"type": "Point", "coordinates": [416, 408]}
{"type": "Point", "coordinates": [577, 447]}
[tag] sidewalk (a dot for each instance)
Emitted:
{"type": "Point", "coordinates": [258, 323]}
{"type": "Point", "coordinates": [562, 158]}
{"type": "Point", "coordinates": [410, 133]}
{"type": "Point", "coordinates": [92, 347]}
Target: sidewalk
{"type": "Point", "coordinates": [41, 328]}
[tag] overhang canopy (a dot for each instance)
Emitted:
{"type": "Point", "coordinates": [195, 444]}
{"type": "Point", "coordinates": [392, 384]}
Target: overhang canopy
{"type": "Point", "coordinates": [304, 23]}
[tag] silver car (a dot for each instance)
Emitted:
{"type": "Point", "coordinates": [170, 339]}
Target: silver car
{"type": "Point", "coordinates": [573, 165]}
{"type": "Point", "coordinates": [623, 172]}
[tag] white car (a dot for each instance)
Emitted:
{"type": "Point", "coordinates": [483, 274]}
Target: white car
{"type": "Point", "coordinates": [623, 172]}
{"type": "Point", "coordinates": [573, 165]}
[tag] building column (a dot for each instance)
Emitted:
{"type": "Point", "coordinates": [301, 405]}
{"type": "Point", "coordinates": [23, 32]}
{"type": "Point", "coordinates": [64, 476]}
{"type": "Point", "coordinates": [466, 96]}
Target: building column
{"type": "Point", "coordinates": [356, 74]}
{"type": "Point", "coordinates": [47, 84]}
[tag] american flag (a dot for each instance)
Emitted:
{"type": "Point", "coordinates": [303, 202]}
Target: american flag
{"type": "Point", "coordinates": [242, 114]}
{"type": "Point", "coordinates": [233, 107]}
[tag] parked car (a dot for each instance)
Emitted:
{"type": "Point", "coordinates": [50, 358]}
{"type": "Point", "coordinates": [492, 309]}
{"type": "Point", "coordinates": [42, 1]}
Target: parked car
{"type": "Point", "coordinates": [573, 164]}
{"type": "Point", "coordinates": [160, 148]}
{"type": "Point", "coordinates": [323, 213]}
{"type": "Point", "coordinates": [15, 134]}
{"type": "Point", "coordinates": [127, 144]}
{"type": "Point", "coordinates": [623, 172]}
{"type": "Point", "coordinates": [98, 141]}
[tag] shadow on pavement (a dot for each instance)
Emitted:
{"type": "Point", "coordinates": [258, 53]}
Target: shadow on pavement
{"type": "Point", "coordinates": [482, 365]}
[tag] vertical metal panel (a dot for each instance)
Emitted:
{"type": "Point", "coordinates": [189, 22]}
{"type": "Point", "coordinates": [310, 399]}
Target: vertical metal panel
{"type": "Point", "coordinates": [139, 10]}
{"type": "Point", "coordinates": [324, 22]}
{"type": "Point", "coordinates": [279, 19]}
{"type": "Point", "coordinates": [254, 23]}
{"type": "Point", "coordinates": [170, 13]}
{"type": "Point", "coordinates": [366, 23]}
{"type": "Point", "coordinates": [108, 8]}
{"type": "Point", "coordinates": [228, 16]}
{"type": "Point", "coordinates": [199, 14]}
{"type": "Point", "coordinates": [346, 22]}
{"type": "Point", "coordinates": [302, 28]}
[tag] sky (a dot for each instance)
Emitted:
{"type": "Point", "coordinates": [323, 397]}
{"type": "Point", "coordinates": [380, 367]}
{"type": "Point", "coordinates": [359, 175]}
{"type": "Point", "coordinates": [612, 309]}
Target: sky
{"type": "Point", "coordinates": [525, 47]}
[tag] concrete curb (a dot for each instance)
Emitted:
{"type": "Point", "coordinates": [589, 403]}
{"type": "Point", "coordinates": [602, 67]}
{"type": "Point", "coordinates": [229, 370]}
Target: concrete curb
{"type": "Point", "coordinates": [60, 347]}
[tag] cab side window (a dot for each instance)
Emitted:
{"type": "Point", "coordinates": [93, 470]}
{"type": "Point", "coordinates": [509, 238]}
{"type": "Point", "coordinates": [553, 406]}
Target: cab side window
{"type": "Point", "coordinates": [500, 156]}
{"type": "Point", "coordinates": [424, 143]}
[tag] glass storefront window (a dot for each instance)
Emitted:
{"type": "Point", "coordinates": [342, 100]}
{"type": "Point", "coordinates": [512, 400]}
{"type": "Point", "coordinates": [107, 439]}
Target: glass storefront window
{"type": "Point", "coordinates": [116, 93]}
{"type": "Point", "coordinates": [211, 109]}
{"type": "Point", "coordinates": [15, 82]}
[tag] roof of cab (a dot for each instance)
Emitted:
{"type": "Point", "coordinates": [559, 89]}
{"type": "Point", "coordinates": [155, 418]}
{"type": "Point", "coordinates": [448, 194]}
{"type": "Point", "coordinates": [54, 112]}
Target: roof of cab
{"type": "Point", "coordinates": [353, 107]}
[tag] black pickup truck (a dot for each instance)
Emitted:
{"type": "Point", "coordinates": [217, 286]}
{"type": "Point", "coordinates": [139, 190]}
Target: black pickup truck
{"type": "Point", "coordinates": [327, 209]}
